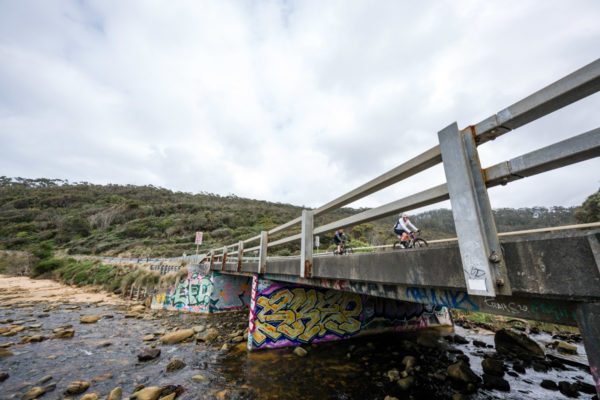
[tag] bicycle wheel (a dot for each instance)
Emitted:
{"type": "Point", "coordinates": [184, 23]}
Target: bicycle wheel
{"type": "Point", "coordinates": [397, 246]}
{"type": "Point", "coordinates": [420, 243]}
{"type": "Point", "coordinates": [348, 250]}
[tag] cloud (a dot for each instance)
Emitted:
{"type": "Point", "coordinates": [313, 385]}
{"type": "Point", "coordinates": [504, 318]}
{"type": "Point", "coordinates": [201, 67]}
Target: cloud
{"type": "Point", "coordinates": [294, 102]}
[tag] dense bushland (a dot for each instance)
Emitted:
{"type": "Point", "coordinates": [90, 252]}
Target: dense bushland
{"type": "Point", "coordinates": [37, 215]}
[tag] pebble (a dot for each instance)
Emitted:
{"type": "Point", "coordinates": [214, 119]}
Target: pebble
{"type": "Point", "coordinates": [148, 354]}
{"type": "Point", "coordinates": [115, 394]}
{"type": "Point", "coordinates": [77, 387]}
{"type": "Point", "coordinates": [175, 365]}
{"type": "Point", "coordinates": [199, 379]}
{"type": "Point", "coordinates": [45, 379]}
{"type": "Point", "coordinates": [149, 393]}
{"type": "Point", "coordinates": [34, 393]}
{"type": "Point", "coordinates": [90, 319]}
{"type": "Point", "coordinates": [300, 352]}
{"type": "Point", "coordinates": [177, 336]}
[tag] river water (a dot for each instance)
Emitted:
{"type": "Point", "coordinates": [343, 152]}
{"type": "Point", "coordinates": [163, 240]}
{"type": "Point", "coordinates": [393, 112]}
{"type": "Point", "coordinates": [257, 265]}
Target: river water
{"type": "Point", "coordinates": [105, 354]}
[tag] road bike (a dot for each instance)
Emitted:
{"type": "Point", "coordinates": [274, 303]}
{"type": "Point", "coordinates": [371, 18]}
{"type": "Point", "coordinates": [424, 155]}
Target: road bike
{"type": "Point", "coordinates": [413, 242]}
{"type": "Point", "coordinates": [344, 249]}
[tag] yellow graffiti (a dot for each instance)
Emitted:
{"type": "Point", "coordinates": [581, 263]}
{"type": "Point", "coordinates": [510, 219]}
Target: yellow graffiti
{"type": "Point", "coordinates": [302, 315]}
{"type": "Point", "coordinates": [160, 298]}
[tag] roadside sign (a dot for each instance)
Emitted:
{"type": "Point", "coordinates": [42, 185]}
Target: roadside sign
{"type": "Point", "coordinates": [198, 238]}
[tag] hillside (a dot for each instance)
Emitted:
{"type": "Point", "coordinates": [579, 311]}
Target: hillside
{"type": "Point", "coordinates": [148, 221]}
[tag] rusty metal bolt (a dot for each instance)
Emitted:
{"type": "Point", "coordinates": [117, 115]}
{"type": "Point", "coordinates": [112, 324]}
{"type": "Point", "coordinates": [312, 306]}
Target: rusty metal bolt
{"type": "Point", "coordinates": [495, 257]}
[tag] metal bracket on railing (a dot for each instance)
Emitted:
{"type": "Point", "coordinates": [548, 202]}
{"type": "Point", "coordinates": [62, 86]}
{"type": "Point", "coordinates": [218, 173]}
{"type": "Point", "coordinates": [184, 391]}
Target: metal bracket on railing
{"type": "Point", "coordinates": [306, 246]}
{"type": "Point", "coordinates": [240, 255]}
{"type": "Point", "coordinates": [483, 263]}
{"type": "Point", "coordinates": [262, 255]}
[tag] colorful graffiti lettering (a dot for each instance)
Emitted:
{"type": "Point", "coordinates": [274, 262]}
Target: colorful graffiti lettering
{"type": "Point", "coordinates": [284, 314]}
{"type": "Point", "coordinates": [446, 298]}
{"type": "Point", "coordinates": [205, 293]}
{"type": "Point", "coordinates": [302, 315]}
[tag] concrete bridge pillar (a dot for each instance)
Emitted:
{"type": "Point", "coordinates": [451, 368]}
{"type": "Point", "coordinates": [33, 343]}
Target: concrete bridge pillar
{"type": "Point", "coordinates": [588, 320]}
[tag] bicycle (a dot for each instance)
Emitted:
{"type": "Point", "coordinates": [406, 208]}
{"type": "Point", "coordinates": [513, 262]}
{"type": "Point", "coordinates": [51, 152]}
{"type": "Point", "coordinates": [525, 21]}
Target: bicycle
{"type": "Point", "coordinates": [413, 242]}
{"type": "Point", "coordinates": [344, 249]}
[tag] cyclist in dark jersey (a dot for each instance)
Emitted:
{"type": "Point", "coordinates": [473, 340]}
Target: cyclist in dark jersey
{"type": "Point", "coordinates": [339, 238]}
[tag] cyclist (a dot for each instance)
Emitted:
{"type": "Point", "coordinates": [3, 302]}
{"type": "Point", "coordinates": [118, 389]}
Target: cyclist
{"type": "Point", "coordinates": [340, 238]}
{"type": "Point", "coordinates": [402, 229]}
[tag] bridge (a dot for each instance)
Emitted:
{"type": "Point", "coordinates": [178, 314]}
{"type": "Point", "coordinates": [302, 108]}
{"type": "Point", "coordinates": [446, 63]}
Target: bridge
{"type": "Point", "coordinates": [547, 275]}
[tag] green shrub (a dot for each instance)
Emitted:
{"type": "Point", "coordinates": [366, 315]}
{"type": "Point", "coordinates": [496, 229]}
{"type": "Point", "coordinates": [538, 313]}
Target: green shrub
{"type": "Point", "coordinates": [46, 266]}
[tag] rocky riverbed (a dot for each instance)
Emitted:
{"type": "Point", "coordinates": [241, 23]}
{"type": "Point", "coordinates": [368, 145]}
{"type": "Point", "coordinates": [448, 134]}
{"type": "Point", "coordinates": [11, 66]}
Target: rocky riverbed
{"type": "Point", "coordinates": [60, 342]}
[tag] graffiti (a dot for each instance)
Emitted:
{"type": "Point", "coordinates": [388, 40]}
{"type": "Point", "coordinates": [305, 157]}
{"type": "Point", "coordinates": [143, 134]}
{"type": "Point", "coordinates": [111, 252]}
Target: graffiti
{"type": "Point", "coordinates": [596, 376]}
{"type": "Point", "coordinates": [446, 298]}
{"type": "Point", "coordinates": [559, 312]}
{"type": "Point", "coordinates": [229, 291]}
{"type": "Point", "coordinates": [510, 307]}
{"type": "Point", "coordinates": [303, 315]}
{"type": "Point", "coordinates": [205, 293]}
{"type": "Point", "coordinates": [283, 314]}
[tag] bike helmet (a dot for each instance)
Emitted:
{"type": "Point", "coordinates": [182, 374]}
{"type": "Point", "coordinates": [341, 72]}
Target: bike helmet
{"type": "Point", "coordinates": [404, 215]}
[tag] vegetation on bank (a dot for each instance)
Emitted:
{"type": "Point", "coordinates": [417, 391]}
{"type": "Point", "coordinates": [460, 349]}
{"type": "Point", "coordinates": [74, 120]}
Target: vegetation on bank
{"type": "Point", "coordinates": [147, 221]}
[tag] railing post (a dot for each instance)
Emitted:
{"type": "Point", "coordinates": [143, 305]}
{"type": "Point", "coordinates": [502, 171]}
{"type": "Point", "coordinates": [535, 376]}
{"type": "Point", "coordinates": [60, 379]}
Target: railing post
{"type": "Point", "coordinates": [306, 245]}
{"type": "Point", "coordinates": [262, 255]}
{"type": "Point", "coordinates": [212, 258]}
{"type": "Point", "coordinates": [240, 255]}
{"type": "Point", "coordinates": [224, 258]}
{"type": "Point", "coordinates": [483, 263]}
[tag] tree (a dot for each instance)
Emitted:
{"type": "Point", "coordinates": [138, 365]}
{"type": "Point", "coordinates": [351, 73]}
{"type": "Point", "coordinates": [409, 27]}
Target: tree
{"type": "Point", "coordinates": [589, 211]}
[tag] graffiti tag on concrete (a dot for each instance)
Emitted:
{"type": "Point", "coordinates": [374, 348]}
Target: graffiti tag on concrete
{"type": "Point", "coordinates": [445, 298]}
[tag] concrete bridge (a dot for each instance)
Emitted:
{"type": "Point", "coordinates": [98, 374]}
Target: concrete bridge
{"type": "Point", "coordinates": [547, 276]}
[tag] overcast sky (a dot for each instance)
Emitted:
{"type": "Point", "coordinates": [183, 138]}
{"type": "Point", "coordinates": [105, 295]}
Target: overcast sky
{"type": "Point", "coordinates": [288, 101]}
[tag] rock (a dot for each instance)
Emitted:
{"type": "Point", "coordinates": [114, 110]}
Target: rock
{"type": "Point", "coordinates": [200, 379]}
{"type": "Point", "coordinates": [149, 393]}
{"type": "Point", "coordinates": [518, 344]}
{"type": "Point", "coordinates": [101, 378]}
{"type": "Point", "coordinates": [393, 375]}
{"type": "Point", "coordinates": [90, 396]}
{"type": "Point", "coordinates": [460, 371]}
{"type": "Point", "coordinates": [409, 362]}
{"type": "Point", "coordinates": [175, 365]}
{"type": "Point", "coordinates": [148, 354]}
{"type": "Point", "coordinates": [5, 353]}
{"type": "Point", "coordinates": [3, 376]}
{"type": "Point", "coordinates": [493, 367]}
{"type": "Point", "coordinates": [90, 319]}
{"type": "Point", "coordinates": [105, 344]}
{"type": "Point", "coordinates": [50, 387]}
{"type": "Point", "coordinates": [45, 379]}
{"type": "Point", "coordinates": [177, 336]}
{"type": "Point", "coordinates": [5, 345]}
{"type": "Point", "coordinates": [115, 394]}
{"type": "Point", "coordinates": [148, 338]}
{"type": "Point", "coordinates": [495, 382]}
{"type": "Point", "coordinates": [460, 339]}
{"type": "Point", "coordinates": [519, 368]}
{"type": "Point", "coordinates": [64, 334]}
{"type": "Point", "coordinates": [550, 385]}
{"type": "Point", "coordinates": [479, 343]}
{"type": "Point", "coordinates": [390, 398]}
{"type": "Point", "coordinates": [199, 328]}
{"type": "Point", "coordinates": [36, 339]}
{"type": "Point", "coordinates": [584, 387]}
{"type": "Point", "coordinates": [566, 348]}
{"type": "Point", "coordinates": [33, 393]}
{"type": "Point", "coordinates": [429, 341]}
{"type": "Point", "coordinates": [208, 336]}
{"type": "Point", "coordinates": [159, 332]}
{"type": "Point", "coordinates": [237, 339]}
{"type": "Point", "coordinates": [169, 397]}
{"type": "Point", "coordinates": [300, 352]}
{"type": "Point", "coordinates": [77, 387]}
{"type": "Point", "coordinates": [406, 383]}
{"type": "Point", "coordinates": [567, 389]}
{"type": "Point", "coordinates": [138, 307]}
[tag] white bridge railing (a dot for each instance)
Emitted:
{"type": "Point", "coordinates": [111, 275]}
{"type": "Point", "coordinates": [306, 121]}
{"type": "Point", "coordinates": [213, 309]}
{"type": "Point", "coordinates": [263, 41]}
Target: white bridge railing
{"type": "Point", "coordinates": [466, 187]}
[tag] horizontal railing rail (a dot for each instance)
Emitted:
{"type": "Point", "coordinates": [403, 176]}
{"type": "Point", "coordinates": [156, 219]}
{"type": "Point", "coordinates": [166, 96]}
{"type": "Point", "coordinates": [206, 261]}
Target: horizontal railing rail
{"type": "Point", "coordinates": [563, 92]}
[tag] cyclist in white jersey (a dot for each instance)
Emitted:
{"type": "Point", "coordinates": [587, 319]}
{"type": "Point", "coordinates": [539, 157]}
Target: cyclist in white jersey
{"type": "Point", "coordinates": [402, 228]}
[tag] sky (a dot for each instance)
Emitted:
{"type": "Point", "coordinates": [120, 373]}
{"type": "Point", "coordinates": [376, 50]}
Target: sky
{"type": "Point", "coordinates": [288, 101]}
